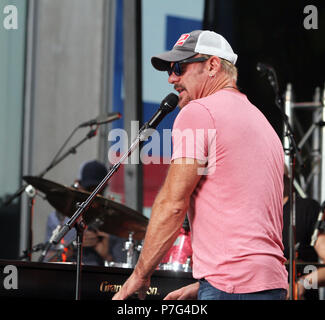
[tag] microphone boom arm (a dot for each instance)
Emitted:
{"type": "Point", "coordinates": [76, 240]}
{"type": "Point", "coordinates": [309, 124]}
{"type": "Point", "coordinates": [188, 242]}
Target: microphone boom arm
{"type": "Point", "coordinates": [166, 107]}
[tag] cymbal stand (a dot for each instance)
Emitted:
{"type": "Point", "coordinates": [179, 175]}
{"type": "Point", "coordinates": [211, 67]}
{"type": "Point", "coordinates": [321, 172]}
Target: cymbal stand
{"type": "Point", "coordinates": [131, 247]}
{"type": "Point", "coordinates": [80, 227]}
{"type": "Point", "coordinates": [26, 253]}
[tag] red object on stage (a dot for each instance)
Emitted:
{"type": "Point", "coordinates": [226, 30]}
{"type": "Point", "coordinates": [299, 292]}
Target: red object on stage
{"type": "Point", "coordinates": [181, 250]}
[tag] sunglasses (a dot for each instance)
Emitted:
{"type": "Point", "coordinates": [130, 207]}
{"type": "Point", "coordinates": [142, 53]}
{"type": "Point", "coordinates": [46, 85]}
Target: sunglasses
{"type": "Point", "coordinates": [177, 66]}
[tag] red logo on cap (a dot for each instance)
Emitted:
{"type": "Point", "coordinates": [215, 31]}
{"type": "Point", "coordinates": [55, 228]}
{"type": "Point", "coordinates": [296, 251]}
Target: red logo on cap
{"type": "Point", "coordinates": [182, 39]}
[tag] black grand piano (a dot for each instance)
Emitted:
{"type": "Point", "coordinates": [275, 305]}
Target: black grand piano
{"type": "Point", "coordinates": [41, 280]}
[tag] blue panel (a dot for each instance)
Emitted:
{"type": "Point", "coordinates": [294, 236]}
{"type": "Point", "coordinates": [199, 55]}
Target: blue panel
{"type": "Point", "coordinates": [118, 66]}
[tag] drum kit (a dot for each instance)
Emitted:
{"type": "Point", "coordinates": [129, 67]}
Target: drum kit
{"type": "Point", "coordinates": [113, 218]}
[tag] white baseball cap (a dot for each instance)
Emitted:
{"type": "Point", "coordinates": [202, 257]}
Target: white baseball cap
{"type": "Point", "coordinates": [190, 44]}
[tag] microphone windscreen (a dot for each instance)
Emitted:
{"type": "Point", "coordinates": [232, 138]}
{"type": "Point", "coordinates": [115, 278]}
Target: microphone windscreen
{"type": "Point", "coordinates": [170, 102]}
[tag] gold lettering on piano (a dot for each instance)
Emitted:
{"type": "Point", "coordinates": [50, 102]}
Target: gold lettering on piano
{"type": "Point", "coordinates": [105, 286]}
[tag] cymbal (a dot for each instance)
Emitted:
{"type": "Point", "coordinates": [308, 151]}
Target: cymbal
{"type": "Point", "coordinates": [106, 215]}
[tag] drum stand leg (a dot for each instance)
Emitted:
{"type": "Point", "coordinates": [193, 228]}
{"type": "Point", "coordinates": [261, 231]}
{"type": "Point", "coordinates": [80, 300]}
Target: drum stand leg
{"type": "Point", "coordinates": [80, 228]}
{"type": "Point", "coordinates": [129, 248]}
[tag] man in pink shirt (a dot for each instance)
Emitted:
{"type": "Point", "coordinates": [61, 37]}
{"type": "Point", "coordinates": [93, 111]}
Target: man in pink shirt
{"type": "Point", "coordinates": [226, 173]}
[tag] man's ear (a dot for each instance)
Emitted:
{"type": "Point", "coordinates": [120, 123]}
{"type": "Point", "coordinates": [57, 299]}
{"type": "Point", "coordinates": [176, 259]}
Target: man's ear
{"type": "Point", "coordinates": [214, 65]}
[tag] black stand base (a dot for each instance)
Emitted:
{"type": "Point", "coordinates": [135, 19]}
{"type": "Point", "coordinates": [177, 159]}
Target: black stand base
{"type": "Point", "coordinates": [80, 227]}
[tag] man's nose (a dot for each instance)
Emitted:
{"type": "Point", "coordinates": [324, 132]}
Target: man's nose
{"type": "Point", "coordinates": [173, 78]}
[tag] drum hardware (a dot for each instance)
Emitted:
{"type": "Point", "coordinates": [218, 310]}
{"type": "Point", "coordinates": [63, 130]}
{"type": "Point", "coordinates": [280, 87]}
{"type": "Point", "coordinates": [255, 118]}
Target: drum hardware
{"type": "Point", "coordinates": [114, 218]}
{"type": "Point", "coordinates": [113, 264]}
{"type": "Point", "coordinates": [35, 248]}
{"type": "Point", "coordinates": [179, 256]}
{"type": "Point", "coordinates": [59, 252]}
{"type": "Point", "coordinates": [109, 216]}
{"type": "Point", "coordinates": [187, 266]}
{"type": "Point", "coordinates": [132, 251]}
{"type": "Point", "coordinates": [177, 266]}
{"type": "Point", "coordinates": [45, 248]}
{"type": "Point", "coordinates": [106, 215]}
{"type": "Point", "coordinates": [48, 244]}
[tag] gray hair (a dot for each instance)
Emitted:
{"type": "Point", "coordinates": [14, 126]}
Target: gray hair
{"type": "Point", "coordinates": [227, 67]}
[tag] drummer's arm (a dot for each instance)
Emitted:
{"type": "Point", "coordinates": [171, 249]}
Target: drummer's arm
{"type": "Point", "coordinates": [168, 214]}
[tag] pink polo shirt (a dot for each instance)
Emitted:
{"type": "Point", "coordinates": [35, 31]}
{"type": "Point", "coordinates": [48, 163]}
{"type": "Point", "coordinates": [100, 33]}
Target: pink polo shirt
{"type": "Point", "coordinates": [236, 209]}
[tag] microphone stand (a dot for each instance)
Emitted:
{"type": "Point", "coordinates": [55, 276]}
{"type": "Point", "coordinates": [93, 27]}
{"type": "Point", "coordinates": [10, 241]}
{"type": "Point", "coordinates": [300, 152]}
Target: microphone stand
{"type": "Point", "coordinates": [166, 106]}
{"type": "Point", "coordinates": [76, 219]}
{"type": "Point", "coordinates": [294, 154]}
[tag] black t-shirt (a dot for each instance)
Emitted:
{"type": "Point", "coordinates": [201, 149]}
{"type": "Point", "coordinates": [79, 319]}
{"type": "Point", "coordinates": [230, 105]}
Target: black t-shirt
{"type": "Point", "coordinates": [307, 211]}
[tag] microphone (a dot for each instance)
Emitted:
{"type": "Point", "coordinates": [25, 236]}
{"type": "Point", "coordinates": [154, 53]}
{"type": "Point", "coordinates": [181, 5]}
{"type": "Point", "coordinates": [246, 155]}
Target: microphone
{"type": "Point", "coordinates": [48, 244]}
{"type": "Point", "coordinates": [102, 119]}
{"type": "Point", "coordinates": [166, 106]}
{"type": "Point", "coordinates": [318, 225]}
{"type": "Point", "coordinates": [271, 75]}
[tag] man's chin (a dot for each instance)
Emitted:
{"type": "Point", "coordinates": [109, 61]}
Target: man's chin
{"type": "Point", "coordinates": [183, 101]}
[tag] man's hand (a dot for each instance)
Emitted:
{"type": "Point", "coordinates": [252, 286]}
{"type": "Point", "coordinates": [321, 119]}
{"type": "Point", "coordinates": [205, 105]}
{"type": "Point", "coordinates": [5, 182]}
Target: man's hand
{"type": "Point", "coordinates": [185, 293]}
{"type": "Point", "coordinates": [90, 238]}
{"type": "Point", "coordinates": [133, 285]}
{"type": "Point", "coordinates": [99, 241]}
